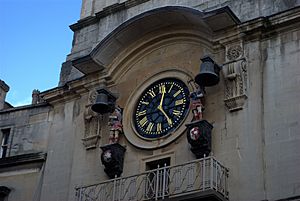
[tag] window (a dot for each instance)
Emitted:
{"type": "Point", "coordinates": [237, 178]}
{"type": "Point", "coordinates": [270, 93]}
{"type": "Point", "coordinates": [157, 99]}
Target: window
{"type": "Point", "coordinates": [157, 184]}
{"type": "Point", "coordinates": [4, 142]}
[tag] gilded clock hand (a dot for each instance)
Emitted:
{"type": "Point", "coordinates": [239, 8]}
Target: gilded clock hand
{"type": "Point", "coordinates": [162, 97]}
{"type": "Point", "coordinates": [168, 119]}
{"type": "Point", "coordinates": [160, 108]}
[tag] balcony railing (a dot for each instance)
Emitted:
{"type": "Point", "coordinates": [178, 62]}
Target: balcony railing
{"type": "Point", "coordinates": [195, 177]}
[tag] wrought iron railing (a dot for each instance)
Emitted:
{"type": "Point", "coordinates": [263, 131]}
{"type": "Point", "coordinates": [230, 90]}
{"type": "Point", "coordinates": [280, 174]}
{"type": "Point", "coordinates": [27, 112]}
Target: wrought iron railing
{"type": "Point", "coordinates": [164, 182]}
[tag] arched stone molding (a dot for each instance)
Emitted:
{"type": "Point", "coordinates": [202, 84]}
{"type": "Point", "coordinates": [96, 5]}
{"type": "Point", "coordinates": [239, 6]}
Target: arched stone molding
{"type": "Point", "coordinates": [153, 42]}
{"type": "Point", "coordinates": [157, 19]}
{"type": "Point", "coordinates": [153, 46]}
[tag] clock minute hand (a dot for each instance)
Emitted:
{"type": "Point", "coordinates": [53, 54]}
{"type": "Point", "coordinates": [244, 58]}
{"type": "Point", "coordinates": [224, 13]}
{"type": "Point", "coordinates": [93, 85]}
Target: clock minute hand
{"type": "Point", "coordinates": [162, 99]}
{"type": "Point", "coordinates": [160, 108]}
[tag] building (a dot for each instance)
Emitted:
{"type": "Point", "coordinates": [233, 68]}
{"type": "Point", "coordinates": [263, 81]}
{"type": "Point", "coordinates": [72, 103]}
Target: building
{"type": "Point", "coordinates": [135, 61]}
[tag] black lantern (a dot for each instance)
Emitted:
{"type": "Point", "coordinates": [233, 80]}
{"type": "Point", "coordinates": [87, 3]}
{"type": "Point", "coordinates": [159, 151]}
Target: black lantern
{"type": "Point", "coordinates": [105, 102]}
{"type": "Point", "coordinates": [209, 73]}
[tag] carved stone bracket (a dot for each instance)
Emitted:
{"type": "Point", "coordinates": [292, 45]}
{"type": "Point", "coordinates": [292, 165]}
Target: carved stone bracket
{"type": "Point", "coordinates": [235, 74]}
{"type": "Point", "coordinates": [92, 126]}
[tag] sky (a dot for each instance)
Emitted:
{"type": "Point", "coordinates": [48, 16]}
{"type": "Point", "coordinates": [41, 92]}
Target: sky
{"type": "Point", "coordinates": [35, 39]}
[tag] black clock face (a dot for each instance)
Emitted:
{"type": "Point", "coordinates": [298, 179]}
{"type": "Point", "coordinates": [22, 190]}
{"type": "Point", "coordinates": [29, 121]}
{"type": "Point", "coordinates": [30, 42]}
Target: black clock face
{"type": "Point", "coordinates": [161, 108]}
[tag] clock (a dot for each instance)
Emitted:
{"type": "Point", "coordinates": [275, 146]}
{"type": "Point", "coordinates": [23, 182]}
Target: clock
{"type": "Point", "coordinates": [161, 108]}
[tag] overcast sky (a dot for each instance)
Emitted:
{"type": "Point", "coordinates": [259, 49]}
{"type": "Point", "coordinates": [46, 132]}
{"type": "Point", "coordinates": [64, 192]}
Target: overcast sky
{"type": "Point", "coordinates": [35, 39]}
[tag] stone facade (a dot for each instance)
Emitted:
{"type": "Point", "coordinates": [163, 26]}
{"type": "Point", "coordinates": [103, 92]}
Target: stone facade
{"type": "Point", "coordinates": [125, 46]}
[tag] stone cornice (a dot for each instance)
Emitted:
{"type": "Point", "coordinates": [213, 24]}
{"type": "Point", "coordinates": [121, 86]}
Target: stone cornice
{"type": "Point", "coordinates": [25, 107]}
{"type": "Point", "coordinates": [127, 33]}
{"type": "Point", "coordinates": [22, 159]}
{"type": "Point", "coordinates": [117, 7]}
{"type": "Point", "coordinates": [84, 23]}
{"type": "Point", "coordinates": [63, 93]}
{"type": "Point", "coordinates": [262, 27]}
{"type": "Point", "coordinates": [74, 89]}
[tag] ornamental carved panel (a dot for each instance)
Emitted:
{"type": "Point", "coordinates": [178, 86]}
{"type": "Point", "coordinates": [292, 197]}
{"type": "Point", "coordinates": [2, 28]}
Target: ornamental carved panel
{"type": "Point", "coordinates": [234, 52]}
{"type": "Point", "coordinates": [92, 124]}
{"type": "Point", "coordinates": [235, 74]}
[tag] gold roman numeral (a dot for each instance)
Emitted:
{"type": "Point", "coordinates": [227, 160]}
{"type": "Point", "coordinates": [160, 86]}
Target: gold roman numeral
{"type": "Point", "coordinates": [171, 88]}
{"type": "Point", "coordinates": [143, 121]}
{"type": "Point", "coordinates": [142, 113]}
{"type": "Point", "coordinates": [179, 102]}
{"type": "Point", "coordinates": [149, 127]}
{"type": "Point", "coordinates": [151, 93]}
{"type": "Point", "coordinates": [177, 93]}
{"type": "Point", "coordinates": [176, 112]}
{"type": "Point", "coordinates": [145, 103]}
{"type": "Point", "coordinates": [158, 127]}
{"type": "Point", "coordinates": [162, 88]}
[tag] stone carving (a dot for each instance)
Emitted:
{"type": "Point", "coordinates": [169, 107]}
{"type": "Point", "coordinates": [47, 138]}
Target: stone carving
{"type": "Point", "coordinates": [197, 103]}
{"type": "Point", "coordinates": [235, 74]}
{"type": "Point", "coordinates": [92, 97]}
{"type": "Point", "coordinates": [115, 122]}
{"type": "Point", "coordinates": [36, 98]}
{"type": "Point", "coordinates": [91, 124]}
{"type": "Point", "coordinates": [234, 52]}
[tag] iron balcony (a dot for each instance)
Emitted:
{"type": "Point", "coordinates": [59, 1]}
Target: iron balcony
{"type": "Point", "coordinates": [204, 178]}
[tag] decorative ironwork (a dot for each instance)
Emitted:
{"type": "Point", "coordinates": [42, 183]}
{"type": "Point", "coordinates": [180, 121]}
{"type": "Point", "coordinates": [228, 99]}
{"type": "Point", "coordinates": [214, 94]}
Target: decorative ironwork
{"type": "Point", "coordinates": [195, 177]}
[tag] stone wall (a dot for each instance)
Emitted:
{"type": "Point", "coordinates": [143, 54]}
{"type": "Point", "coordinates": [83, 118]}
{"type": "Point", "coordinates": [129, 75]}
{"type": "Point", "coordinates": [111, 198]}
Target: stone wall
{"type": "Point", "coordinates": [29, 127]}
{"type": "Point", "coordinates": [280, 57]}
{"type": "Point", "coordinates": [23, 167]}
